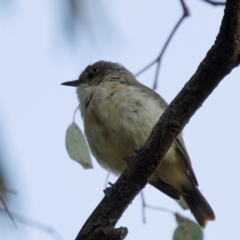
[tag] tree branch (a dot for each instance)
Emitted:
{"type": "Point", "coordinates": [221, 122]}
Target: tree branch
{"type": "Point", "coordinates": [223, 56]}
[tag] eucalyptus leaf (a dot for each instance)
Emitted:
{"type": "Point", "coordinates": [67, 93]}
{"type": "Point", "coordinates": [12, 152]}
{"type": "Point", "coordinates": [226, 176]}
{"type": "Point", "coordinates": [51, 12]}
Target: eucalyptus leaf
{"type": "Point", "coordinates": [77, 147]}
{"type": "Point", "coordinates": [187, 229]}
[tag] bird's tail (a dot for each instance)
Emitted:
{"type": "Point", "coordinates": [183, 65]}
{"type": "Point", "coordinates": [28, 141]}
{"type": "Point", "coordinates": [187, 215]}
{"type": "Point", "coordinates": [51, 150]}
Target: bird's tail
{"type": "Point", "coordinates": [198, 205]}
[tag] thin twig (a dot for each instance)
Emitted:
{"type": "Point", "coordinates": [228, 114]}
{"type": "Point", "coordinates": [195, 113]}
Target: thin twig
{"type": "Point", "coordinates": [215, 3]}
{"type": "Point", "coordinates": [6, 210]}
{"type": "Point", "coordinates": [7, 189]}
{"type": "Point", "coordinates": [145, 205]}
{"type": "Point", "coordinates": [106, 181]}
{"type": "Point", "coordinates": [74, 114]}
{"type": "Point", "coordinates": [34, 224]}
{"type": "Point", "coordinates": [159, 58]}
{"type": "Point", "coordinates": [160, 209]}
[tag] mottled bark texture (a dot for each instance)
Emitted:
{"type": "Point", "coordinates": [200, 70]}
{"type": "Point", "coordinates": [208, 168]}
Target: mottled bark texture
{"type": "Point", "coordinates": [223, 56]}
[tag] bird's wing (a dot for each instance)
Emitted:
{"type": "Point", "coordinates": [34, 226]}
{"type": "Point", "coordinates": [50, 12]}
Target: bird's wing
{"type": "Point", "coordinates": [178, 143]}
{"type": "Point", "coordinates": [180, 147]}
{"type": "Point", "coordinates": [165, 188]}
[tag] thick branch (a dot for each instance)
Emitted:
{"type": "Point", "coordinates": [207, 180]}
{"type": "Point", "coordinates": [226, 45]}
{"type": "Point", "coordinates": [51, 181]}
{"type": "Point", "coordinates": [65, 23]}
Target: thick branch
{"type": "Point", "coordinates": [219, 61]}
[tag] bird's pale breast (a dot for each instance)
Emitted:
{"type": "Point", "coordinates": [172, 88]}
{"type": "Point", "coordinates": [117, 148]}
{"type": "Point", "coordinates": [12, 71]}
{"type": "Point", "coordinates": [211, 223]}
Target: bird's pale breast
{"type": "Point", "coordinates": [118, 119]}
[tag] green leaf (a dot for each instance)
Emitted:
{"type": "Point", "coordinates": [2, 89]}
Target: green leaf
{"type": "Point", "coordinates": [187, 229]}
{"type": "Point", "coordinates": [182, 203]}
{"type": "Point", "coordinates": [77, 147]}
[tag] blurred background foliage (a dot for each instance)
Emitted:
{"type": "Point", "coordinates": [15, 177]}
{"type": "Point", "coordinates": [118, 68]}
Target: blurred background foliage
{"type": "Point", "coordinates": [74, 20]}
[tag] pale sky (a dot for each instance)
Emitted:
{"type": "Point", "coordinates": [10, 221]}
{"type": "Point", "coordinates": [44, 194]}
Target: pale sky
{"type": "Point", "coordinates": [36, 56]}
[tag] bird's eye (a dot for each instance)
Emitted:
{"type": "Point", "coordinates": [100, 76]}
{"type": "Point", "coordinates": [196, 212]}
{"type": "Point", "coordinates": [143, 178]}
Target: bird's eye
{"type": "Point", "coordinates": [90, 76]}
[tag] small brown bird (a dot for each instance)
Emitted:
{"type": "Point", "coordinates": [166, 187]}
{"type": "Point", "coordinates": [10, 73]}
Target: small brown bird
{"type": "Point", "coordinates": [119, 114]}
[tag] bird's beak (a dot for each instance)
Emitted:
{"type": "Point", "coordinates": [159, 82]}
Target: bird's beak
{"type": "Point", "coordinates": [74, 83]}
